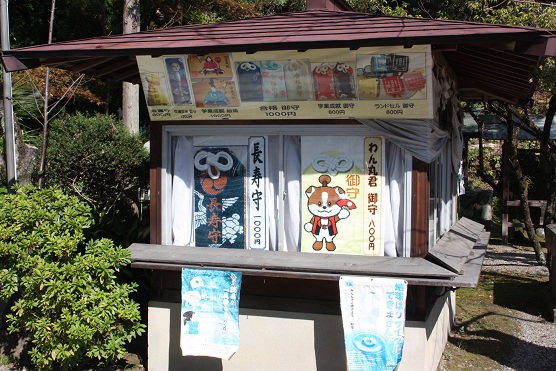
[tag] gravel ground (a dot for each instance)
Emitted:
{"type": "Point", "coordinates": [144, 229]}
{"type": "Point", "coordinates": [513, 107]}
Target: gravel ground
{"type": "Point", "coordinates": [535, 345]}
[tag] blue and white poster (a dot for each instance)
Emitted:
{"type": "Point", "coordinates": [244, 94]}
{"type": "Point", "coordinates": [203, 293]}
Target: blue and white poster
{"type": "Point", "coordinates": [373, 317]}
{"type": "Point", "coordinates": [210, 313]}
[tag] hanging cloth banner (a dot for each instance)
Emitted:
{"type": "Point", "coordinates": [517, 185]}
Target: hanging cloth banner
{"type": "Point", "coordinates": [373, 316]}
{"type": "Point", "coordinates": [256, 191]}
{"type": "Point", "coordinates": [219, 198]}
{"type": "Point", "coordinates": [210, 313]}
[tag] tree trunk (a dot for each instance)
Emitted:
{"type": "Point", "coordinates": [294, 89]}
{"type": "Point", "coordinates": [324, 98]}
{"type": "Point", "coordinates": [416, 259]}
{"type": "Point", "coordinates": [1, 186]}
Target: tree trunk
{"type": "Point", "coordinates": [523, 187]}
{"type": "Point", "coordinates": [130, 92]}
{"type": "Point", "coordinates": [548, 163]}
{"type": "Point", "coordinates": [42, 164]}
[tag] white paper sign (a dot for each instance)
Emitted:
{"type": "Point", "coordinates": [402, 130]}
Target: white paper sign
{"type": "Point", "coordinates": [373, 316]}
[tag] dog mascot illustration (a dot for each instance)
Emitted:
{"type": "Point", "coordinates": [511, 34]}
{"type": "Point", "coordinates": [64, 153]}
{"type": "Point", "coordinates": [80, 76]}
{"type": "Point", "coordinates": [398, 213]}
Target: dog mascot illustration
{"type": "Point", "coordinates": [328, 205]}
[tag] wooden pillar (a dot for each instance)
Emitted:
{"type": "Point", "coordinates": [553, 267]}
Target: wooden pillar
{"type": "Point", "coordinates": [155, 183]}
{"type": "Point", "coordinates": [505, 189]}
{"type": "Point", "coordinates": [420, 209]}
{"type": "Point", "coordinates": [481, 150]}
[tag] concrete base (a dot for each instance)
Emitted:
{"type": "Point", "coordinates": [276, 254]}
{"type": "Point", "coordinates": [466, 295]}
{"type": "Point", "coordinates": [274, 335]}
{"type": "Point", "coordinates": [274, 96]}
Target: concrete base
{"type": "Point", "coordinates": [273, 340]}
{"type": "Point", "coordinates": [425, 340]}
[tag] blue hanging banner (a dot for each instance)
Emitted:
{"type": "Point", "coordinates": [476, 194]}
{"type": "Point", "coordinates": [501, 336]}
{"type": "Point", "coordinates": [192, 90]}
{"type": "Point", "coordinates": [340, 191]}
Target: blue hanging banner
{"type": "Point", "coordinates": [210, 313]}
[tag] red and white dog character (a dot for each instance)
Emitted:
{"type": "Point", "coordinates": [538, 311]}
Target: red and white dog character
{"type": "Point", "coordinates": [328, 205]}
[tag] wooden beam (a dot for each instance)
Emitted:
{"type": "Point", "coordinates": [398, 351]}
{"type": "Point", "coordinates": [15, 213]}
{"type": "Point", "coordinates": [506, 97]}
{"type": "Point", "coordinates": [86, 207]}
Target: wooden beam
{"type": "Point", "coordinates": [452, 250]}
{"type": "Point", "coordinates": [281, 263]}
{"type": "Point", "coordinates": [474, 264]}
{"type": "Point", "coordinates": [89, 63]}
{"type": "Point", "coordinates": [114, 67]}
{"type": "Point", "coordinates": [326, 267]}
{"type": "Point", "coordinates": [543, 46]}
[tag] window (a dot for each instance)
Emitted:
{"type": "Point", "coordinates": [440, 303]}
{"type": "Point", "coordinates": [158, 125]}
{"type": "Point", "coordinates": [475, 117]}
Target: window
{"type": "Point", "coordinates": [278, 187]}
{"type": "Point", "coordinates": [443, 177]}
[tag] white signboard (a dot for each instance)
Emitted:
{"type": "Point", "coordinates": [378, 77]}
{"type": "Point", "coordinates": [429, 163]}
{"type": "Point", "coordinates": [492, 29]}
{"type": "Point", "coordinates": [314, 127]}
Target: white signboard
{"type": "Point", "coordinates": [381, 82]}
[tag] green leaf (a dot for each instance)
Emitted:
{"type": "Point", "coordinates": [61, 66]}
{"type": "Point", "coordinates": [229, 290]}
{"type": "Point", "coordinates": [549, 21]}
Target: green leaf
{"type": "Point", "coordinates": [70, 303]}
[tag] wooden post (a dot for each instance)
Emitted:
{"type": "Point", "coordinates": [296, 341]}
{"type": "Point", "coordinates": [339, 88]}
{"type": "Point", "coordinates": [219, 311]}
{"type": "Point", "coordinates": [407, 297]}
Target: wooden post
{"type": "Point", "coordinates": [505, 189]}
{"type": "Point", "coordinates": [155, 206]}
{"type": "Point", "coordinates": [420, 209]}
{"type": "Point", "coordinates": [481, 150]}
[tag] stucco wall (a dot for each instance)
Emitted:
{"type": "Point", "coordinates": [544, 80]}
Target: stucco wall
{"type": "Point", "coordinates": [272, 340]}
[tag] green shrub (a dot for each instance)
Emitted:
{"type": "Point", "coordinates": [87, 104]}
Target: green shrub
{"type": "Point", "coordinates": [97, 159]}
{"type": "Point", "coordinates": [66, 297]}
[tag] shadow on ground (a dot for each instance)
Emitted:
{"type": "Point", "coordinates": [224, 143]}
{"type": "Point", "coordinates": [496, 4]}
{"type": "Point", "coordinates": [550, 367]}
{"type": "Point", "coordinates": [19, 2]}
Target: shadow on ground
{"type": "Point", "coordinates": [522, 294]}
{"type": "Point", "coordinates": [499, 346]}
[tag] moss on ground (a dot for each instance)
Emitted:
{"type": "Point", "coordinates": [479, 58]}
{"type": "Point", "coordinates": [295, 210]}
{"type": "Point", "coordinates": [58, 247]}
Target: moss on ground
{"type": "Point", "coordinates": [486, 325]}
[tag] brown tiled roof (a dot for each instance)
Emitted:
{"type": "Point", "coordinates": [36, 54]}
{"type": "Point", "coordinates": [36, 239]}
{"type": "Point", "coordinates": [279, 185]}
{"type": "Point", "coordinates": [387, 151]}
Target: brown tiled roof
{"type": "Point", "coordinates": [468, 47]}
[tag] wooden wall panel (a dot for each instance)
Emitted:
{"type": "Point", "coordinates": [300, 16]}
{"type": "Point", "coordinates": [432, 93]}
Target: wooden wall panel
{"type": "Point", "coordinates": [420, 209]}
{"type": "Point", "coordinates": [155, 180]}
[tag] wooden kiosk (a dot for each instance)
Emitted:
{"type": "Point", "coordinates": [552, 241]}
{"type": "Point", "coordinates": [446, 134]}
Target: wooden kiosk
{"type": "Point", "coordinates": [370, 101]}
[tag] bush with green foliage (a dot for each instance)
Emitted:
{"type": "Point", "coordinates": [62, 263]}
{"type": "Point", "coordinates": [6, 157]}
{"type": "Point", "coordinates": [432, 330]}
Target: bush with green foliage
{"type": "Point", "coordinates": [66, 298]}
{"type": "Point", "coordinates": [97, 159]}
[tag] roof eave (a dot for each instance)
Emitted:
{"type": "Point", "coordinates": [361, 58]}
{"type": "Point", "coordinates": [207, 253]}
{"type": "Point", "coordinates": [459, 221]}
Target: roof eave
{"type": "Point", "coordinates": [17, 59]}
{"type": "Point", "coordinates": [543, 46]}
